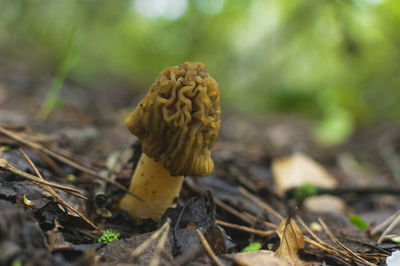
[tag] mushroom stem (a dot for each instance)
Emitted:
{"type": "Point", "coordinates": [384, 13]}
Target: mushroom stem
{"type": "Point", "coordinates": [154, 184]}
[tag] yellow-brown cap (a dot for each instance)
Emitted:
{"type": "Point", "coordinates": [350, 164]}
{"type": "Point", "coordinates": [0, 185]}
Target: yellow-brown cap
{"type": "Point", "coordinates": [178, 120]}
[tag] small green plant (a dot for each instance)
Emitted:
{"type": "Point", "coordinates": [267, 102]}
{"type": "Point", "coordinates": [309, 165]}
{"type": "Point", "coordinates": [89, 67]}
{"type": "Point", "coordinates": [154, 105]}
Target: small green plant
{"type": "Point", "coordinates": [254, 246]}
{"type": "Point", "coordinates": [16, 262]}
{"type": "Point", "coordinates": [108, 236]}
{"type": "Point", "coordinates": [358, 221]}
{"type": "Point", "coordinates": [304, 191]}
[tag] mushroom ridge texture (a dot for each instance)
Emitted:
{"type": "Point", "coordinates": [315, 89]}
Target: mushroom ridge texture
{"type": "Point", "coordinates": [178, 120]}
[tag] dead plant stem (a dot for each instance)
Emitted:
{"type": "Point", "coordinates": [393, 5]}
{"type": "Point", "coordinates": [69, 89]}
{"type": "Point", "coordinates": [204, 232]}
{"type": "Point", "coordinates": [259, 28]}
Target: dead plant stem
{"type": "Point", "coordinates": [54, 194]}
{"type": "Point", "coordinates": [246, 229]}
{"type": "Point", "coordinates": [208, 248]}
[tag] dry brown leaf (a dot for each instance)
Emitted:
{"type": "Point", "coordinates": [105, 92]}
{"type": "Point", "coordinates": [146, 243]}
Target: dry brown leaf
{"type": "Point", "coordinates": [292, 240]}
{"type": "Point", "coordinates": [324, 204]}
{"type": "Point", "coordinates": [258, 258]}
{"type": "Point", "coordinates": [299, 169]}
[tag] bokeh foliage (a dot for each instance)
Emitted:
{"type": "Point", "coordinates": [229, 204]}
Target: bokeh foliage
{"type": "Point", "coordinates": [333, 61]}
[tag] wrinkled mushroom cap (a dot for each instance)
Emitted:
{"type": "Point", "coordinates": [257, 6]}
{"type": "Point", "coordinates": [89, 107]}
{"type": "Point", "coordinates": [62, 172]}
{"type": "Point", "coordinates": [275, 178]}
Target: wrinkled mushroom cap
{"type": "Point", "coordinates": [178, 120]}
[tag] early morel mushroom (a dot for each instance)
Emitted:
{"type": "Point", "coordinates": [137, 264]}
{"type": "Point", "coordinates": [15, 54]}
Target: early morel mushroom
{"type": "Point", "coordinates": [177, 124]}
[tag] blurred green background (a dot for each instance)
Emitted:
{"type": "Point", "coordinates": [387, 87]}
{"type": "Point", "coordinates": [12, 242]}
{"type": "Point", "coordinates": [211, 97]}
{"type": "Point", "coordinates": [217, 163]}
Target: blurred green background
{"type": "Point", "coordinates": [335, 63]}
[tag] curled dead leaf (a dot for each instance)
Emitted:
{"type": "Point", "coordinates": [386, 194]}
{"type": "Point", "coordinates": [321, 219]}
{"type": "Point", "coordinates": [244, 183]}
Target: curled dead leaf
{"type": "Point", "coordinates": [292, 241]}
{"type": "Point", "coordinates": [28, 202]}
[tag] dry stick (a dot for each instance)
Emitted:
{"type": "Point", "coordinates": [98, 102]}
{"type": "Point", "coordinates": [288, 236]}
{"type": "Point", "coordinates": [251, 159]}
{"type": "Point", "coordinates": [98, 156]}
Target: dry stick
{"type": "Point", "coordinates": [318, 243]}
{"type": "Point", "coordinates": [321, 244]}
{"type": "Point", "coordinates": [385, 223]}
{"type": "Point", "coordinates": [341, 244]}
{"type": "Point", "coordinates": [148, 241]}
{"type": "Point", "coordinates": [8, 167]}
{"type": "Point", "coordinates": [329, 249]}
{"type": "Point", "coordinates": [246, 229]}
{"type": "Point", "coordinates": [208, 248]}
{"type": "Point", "coordinates": [309, 230]}
{"type": "Point", "coordinates": [55, 195]}
{"type": "Point", "coordinates": [260, 203]}
{"type": "Point", "coordinates": [55, 155]}
{"type": "Point", "coordinates": [389, 228]}
{"type": "Point", "coordinates": [48, 189]}
{"type": "Point", "coordinates": [160, 246]}
{"type": "Point", "coordinates": [57, 169]}
{"type": "Point", "coordinates": [257, 219]}
{"type": "Point", "coordinates": [228, 208]}
{"type": "Point", "coordinates": [65, 153]}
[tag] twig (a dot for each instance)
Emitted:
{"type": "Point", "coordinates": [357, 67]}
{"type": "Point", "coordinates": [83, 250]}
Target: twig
{"type": "Point", "coordinates": [63, 159]}
{"type": "Point", "coordinates": [383, 253]}
{"type": "Point", "coordinates": [208, 248]}
{"type": "Point", "coordinates": [4, 165]}
{"type": "Point", "coordinates": [246, 229]}
{"type": "Point", "coordinates": [329, 233]}
{"type": "Point", "coordinates": [57, 169]}
{"type": "Point", "coordinates": [148, 241]}
{"type": "Point", "coordinates": [55, 195]}
{"type": "Point", "coordinates": [395, 222]}
{"type": "Point", "coordinates": [259, 220]}
{"type": "Point", "coordinates": [243, 181]}
{"type": "Point", "coordinates": [385, 223]}
{"type": "Point", "coordinates": [68, 154]}
{"type": "Point", "coordinates": [318, 243]}
{"type": "Point", "coordinates": [228, 208]}
{"type": "Point", "coordinates": [309, 230]}
{"type": "Point", "coordinates": [160, 246]}
{"type": "Point", "coordinates": [323, 245]}
{"type": "Point", "coordinates": [260, 203]}
{"type": "Point", "coordinates": [328, 249]}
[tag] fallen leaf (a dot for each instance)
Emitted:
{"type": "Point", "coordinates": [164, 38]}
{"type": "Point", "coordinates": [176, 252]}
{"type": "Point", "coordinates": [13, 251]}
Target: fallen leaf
{"type": "Point", "coordinates": [28, 202]}
{"type": "Point", "coordinates": [258, 258]}
{"type": "Point", "coordinates": [299, 169]}
{"type": "Point", "coordinates": [325, 204]}
{"type": "Point", "coordinates": [292, 241]}
{"type": "Point", "coordinates": [358, 221]}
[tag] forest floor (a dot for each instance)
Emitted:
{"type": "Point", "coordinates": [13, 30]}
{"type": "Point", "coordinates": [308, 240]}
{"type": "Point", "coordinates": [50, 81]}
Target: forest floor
{"type": "Point", "coordinates": [249, 198]}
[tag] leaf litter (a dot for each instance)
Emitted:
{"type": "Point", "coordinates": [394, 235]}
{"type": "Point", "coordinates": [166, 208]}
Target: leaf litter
{"type": "Point", "coordinates": [245, 202]}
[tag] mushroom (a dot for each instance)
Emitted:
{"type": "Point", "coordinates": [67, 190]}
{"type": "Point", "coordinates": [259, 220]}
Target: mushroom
{"type": "Point", "coordinates": [177, 124]}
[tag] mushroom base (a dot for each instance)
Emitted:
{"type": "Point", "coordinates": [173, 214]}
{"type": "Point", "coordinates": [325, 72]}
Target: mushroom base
{"type": "Point", "coordinates": [155, 185]}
